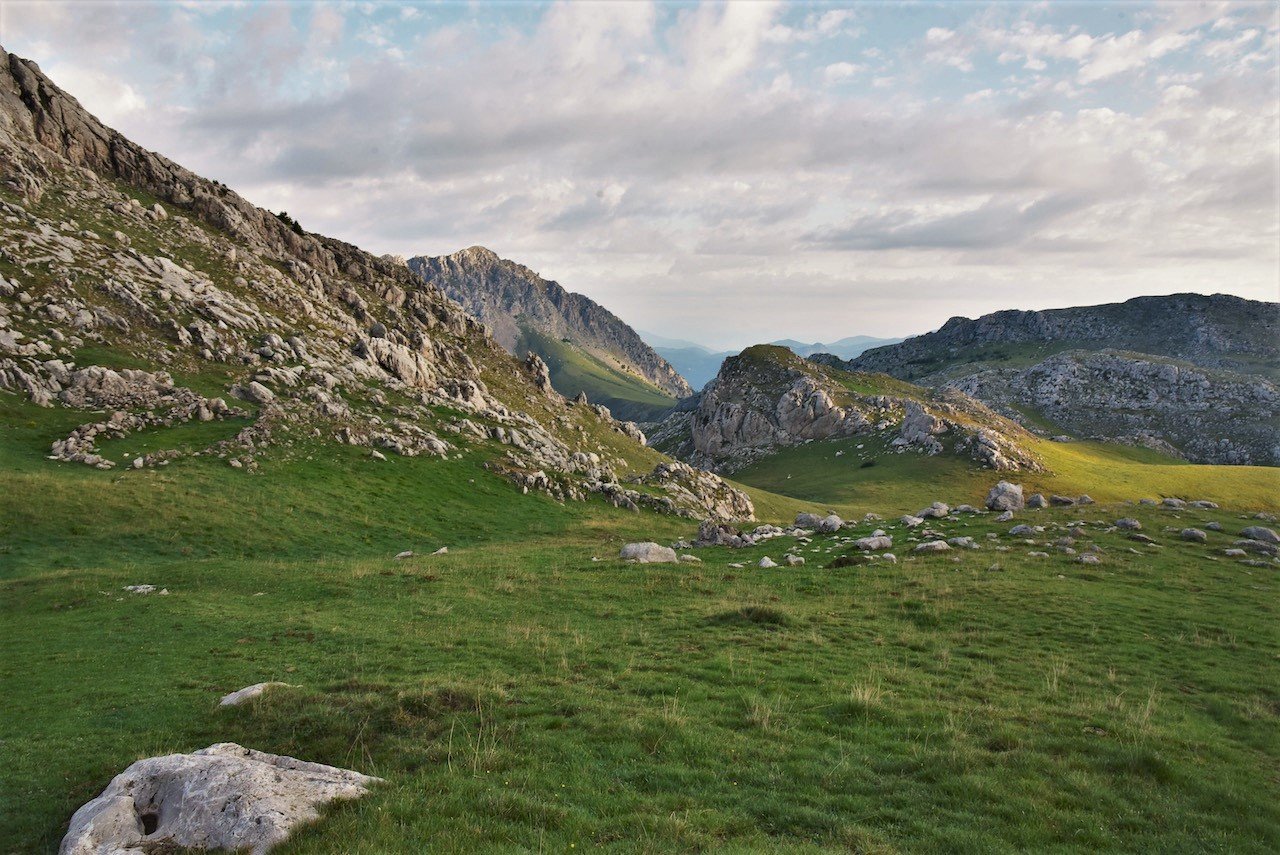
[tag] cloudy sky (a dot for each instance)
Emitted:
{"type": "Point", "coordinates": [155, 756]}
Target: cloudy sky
{"type": "Point", "coordinates": [728, 173]}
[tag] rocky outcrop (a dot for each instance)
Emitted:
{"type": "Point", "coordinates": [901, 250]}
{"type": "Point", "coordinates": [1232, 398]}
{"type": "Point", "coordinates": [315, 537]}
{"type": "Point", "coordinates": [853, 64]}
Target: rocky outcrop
{"type": "Point", "coordinates": [503, 294]}
{"type": "Point", "coordinates": [768, 398]}
{"type": "Point", "coordinates": [221, 797]}
{"type": "Point", "coordinates": [1203, 415]}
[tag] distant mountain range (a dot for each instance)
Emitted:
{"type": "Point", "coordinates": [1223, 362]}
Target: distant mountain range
{"type": "Point", "coordinates": [698, 364]}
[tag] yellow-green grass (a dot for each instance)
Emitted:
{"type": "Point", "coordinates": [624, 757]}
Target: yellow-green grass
{"type": "Point", "coordinates": [905, 481]}
{"type": "Point", "coordinates": [574, 370]}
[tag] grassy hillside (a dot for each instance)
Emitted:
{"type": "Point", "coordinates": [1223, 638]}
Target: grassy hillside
{"type": "Point", "coordinates": [518, 694]}
{"type": "Point", "coordinates": [574, 370]}
{"type": "Point", "coordinates": [876, 477]}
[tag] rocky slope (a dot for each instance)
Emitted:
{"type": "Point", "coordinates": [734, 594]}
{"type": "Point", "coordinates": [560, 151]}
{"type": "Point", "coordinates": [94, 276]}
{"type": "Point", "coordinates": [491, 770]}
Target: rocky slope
{"type": "Point", "coordinates": [148, 296]}
{"type": "Point", "coordinates": [1191, 375]}
{"type": "Point", "coordinates": [1201, 414]}
{"type": "Point", "coordinates": [503, 294]}
{"type": "Point", "coordinates": [767, 397]}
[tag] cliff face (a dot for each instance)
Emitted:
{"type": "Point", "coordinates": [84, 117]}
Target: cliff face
{"type": "Point", "coordinates": [120, 270]}
{"type": "Point", "coordinates": [1191, 375]}
{"type": "Point", "coordinates": [767, 398]}
{"type": "Point", "coordinates": [504, 294]}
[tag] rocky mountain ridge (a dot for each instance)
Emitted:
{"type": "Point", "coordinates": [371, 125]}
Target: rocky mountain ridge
{"type": "Point", "coordinates": [501, 293]}
{"type": "Point", "coordinates": [122, 272]}
{"type": "Point", "coordinates": [767, 398]}
{"type": "Point", "coordinates": [1190, 375]}
{"type": "Point", "coordinates": [1214, 331]}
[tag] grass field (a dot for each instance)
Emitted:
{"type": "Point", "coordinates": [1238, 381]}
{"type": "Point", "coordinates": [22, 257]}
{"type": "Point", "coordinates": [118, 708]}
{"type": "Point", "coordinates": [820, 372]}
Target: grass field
{"type": "Point", "coordinates": [519, 695]}
{"type": "Point", "coordinates": [574, 370]}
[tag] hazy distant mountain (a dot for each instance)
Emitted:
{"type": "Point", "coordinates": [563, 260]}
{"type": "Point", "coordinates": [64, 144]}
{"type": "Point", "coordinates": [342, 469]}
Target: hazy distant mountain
{"type": "Point", "coordinates": [698, 363]}
{"type": "Point", "coordinates": [845, 348]}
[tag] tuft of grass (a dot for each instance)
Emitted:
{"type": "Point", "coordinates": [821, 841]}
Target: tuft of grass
{"type": "Point", "coordinates": [752, 615]}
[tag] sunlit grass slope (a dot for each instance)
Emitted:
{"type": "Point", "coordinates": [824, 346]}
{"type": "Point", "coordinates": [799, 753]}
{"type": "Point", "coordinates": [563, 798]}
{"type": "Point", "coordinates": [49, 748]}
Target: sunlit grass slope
{"type": "Point", "coordinates": [877, 477]}
{"type": "Point", "coordinates": [575, 370]}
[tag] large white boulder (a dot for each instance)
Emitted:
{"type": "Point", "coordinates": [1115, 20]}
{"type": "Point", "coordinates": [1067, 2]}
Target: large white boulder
{"type": "Point", "coordinates": [648, 553]}
{"type": "Point", "coordinates": [222, 797]}
{"type": "Point", "coordinates": [1005, 497]}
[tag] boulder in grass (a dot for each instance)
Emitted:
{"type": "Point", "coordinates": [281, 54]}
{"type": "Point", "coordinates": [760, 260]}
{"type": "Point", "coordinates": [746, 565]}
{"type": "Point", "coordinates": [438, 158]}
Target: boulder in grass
{"type": "Point", "coordinates": [1005, 496]}
{"type": "Point", "coordinates": [932, 546]}
{"type": "Point", "coordinates": [222, 797]}
{"type": "Point", "coordinates": [767, 562]}
{"type": "Point", "coordinates": [648, 553]}
{"type": "Point", "coordinates": [1129, 524]}
{"type": "Point", "coordinates": [1258, 532]}
{"type": "Point", "coordinates": [248, 693]}
{"type": "Point", "coordinates": [1195, 535]}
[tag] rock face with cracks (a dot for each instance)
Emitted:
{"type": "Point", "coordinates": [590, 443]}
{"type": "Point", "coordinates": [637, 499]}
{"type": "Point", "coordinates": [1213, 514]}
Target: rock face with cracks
{"type": "Point", "coordinates": [221, 797]}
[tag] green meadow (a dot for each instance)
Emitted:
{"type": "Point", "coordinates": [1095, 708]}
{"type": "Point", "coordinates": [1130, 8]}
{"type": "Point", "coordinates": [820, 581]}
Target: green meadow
{"type": "Point", "coordinates": [527, 691]}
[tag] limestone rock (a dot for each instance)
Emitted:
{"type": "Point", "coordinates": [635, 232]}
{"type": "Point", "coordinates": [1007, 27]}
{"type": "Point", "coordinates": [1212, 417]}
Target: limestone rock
{"type": "Point", "coordinates": [1257, 532]}
{"type": "Point", "coordinates": [221, 797]}
{"type": "Point", "coordinates": [648, 553]}
{"type": "Point", "coordinates": [1005, 496]}
{"type": "Point", "coordinates": [248, 693]}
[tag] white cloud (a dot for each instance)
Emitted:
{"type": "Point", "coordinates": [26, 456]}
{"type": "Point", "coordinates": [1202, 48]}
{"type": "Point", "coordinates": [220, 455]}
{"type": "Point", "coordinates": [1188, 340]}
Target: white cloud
{"type": "Point", "coordinates": [659, 158]}
{"type": "Point", "coordinates": [839, 71]}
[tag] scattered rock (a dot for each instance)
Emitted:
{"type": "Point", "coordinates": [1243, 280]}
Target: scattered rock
{"type": "Point", "coordinates": [875, 542]}
{"type": "Point", "coordinates": [1194, 534]}
{"type": "Point", "coordinates": [408, 553]}
{"type": "Point", "coordinates": [794, 560]}
{"type": "Point", "coordinates": [1037, 500]}
{"type": "Point", "coordinates": [1062, 501]}
{"type": "Point", "coordinates": [1023, 530]}
{"type": "Point", "coordinates": [690, 559]}
{"type": "Point", "coordinates": [1005, 517]}
{"type": "Point", "coordinates": [1089, 558]}
{"type": "Point", "coordinates": [1129, 524]}
{"type": "Point", "coordinates": [767, 562]}
{"type": "Point", "coordinates": [444, 550]}
{"type": "Point", "coordinates": [1176, 504]}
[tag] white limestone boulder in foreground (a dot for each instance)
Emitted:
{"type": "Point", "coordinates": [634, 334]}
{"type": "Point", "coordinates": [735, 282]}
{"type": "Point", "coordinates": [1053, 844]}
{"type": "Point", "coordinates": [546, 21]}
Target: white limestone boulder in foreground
{"type": "Point", "coordinates": [222, 797]}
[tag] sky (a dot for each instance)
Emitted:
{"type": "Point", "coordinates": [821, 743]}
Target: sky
{"type": "Point", "coordinates": [728, 173]}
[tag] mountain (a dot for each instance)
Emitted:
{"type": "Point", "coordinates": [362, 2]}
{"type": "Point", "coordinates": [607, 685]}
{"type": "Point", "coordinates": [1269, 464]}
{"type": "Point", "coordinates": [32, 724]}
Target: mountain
{"type": "Point", "coordinates": [150, 300]}
{"type": "Point", "coordinates": [699, 364]}
{"type": "Point", "coordinates": [1188, 374]}
{"type": "Point", "coordinates": [845, 348]}
{"type": "Point", "coordinates": [767, 398]}
{"type": "Point", "coordinates": [588, 348]}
